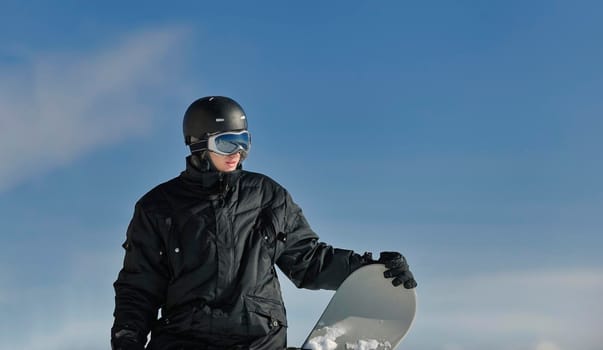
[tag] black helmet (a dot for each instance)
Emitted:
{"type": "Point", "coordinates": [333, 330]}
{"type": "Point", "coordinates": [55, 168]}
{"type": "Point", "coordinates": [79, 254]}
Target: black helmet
{"type": "Point", "coordinates": [212, 114]}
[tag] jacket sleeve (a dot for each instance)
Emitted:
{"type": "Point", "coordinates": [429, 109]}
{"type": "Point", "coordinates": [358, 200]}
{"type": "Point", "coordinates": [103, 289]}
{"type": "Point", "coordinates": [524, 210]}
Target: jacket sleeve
{"type": "Point", "coordinates": [309, 263]}
{"type": "Point", "coordinates": [141, 285]}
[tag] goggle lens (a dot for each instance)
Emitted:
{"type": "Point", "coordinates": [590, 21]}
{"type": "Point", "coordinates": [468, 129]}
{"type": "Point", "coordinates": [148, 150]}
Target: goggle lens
{"type": "Point", "coordinates": [229, 143]}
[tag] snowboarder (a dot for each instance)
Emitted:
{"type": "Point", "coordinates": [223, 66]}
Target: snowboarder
{"type": "Point", "coordinates": [202, 249]}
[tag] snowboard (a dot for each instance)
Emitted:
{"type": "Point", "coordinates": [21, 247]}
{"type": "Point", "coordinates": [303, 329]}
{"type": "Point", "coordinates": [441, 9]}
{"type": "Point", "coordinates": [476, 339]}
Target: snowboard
{"type": "Point", "coordinates": [366, 313]}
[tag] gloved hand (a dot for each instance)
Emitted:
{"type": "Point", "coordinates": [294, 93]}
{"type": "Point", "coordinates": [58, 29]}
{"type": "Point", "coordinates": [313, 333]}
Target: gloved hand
{"type": "Point", "coordinates": [125, 339]}
{"type": "Point", "coordinates": [397, 268]}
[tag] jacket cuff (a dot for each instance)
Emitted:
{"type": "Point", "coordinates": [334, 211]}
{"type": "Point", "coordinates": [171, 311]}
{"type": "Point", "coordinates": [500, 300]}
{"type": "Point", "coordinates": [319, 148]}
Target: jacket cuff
{"type": "Point", "coordinates": [358, 261]}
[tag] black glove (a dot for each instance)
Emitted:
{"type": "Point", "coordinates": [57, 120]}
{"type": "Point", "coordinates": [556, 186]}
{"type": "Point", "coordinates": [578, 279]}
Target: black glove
{"type": "Point", "coordinates": [125, 339]}
{"type": "Point", "coordinates": [397, 268]}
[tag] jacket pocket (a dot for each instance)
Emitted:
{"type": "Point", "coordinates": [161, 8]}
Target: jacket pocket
{"type": "Point", "coordinates": [266, 234]}
{"type": "Point", "coordinates": [263, 315]}
{"type": "Point", "coordinates": [175, 322]}
{"type": "Point", "coordinates": [280, 246]}
{"type": "Point", "coordinates": [274, 243]}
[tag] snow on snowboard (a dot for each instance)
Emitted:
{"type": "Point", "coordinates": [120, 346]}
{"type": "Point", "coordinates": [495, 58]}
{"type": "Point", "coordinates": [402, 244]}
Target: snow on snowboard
{"type": "Point", "coordinates": [366, 313]}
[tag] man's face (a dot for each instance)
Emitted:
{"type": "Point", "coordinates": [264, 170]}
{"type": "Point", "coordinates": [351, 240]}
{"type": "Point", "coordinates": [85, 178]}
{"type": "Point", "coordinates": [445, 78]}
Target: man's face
{"type": "Point", "coordinates": [225, 164]}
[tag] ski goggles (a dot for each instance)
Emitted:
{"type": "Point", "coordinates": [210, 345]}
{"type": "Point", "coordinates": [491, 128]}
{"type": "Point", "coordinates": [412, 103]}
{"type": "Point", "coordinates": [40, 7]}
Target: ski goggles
{"type": "Point", "coordinates": [225, 143]}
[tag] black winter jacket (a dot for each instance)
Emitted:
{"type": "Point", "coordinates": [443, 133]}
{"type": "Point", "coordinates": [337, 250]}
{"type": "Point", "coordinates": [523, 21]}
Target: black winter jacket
{"type": "Point", "coordinates": [202, 248]}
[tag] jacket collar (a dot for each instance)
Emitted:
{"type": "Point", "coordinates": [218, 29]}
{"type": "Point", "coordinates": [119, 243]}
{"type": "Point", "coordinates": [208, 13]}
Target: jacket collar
{"type": "Point", "coordinates": [201, 175]}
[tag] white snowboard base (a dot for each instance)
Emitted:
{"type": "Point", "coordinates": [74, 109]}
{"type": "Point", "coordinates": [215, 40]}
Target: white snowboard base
{"type": "Point", "coordinates": [366, 313]}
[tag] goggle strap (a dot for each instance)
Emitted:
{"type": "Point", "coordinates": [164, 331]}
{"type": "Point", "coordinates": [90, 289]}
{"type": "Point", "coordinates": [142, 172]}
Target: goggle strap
{"type": "Point", "coordinates": [198, 146]}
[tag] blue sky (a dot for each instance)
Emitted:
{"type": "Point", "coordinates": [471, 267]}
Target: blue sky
{"type": "Point", "coordinates": [465, 134]}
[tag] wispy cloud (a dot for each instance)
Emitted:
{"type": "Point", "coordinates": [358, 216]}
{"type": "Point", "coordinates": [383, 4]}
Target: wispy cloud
{"type": "Point", "coordinates": [547, 345]}
{"type": "Point", "coordinates": [57, 106]}
{"type": "Point", "coordinates": [531, 310]}
{"type": "Point", "coordinates": [72, 312]}
{"type": "Point", "coordinates": [518, 310]}
{"type": "Point", "coordinates": [71, 335]}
